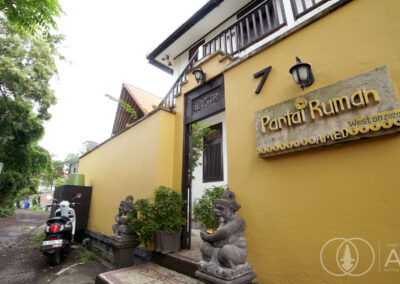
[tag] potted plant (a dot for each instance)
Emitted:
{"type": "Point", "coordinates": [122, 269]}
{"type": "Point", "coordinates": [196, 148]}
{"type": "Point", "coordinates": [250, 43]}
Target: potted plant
{"type": "Point", "coordinates": [159, 218]}
{"type": "Point", "coordinates": [203, 209]}
{"type": "Point", "coordinates": [143, 221]}
{"type": "Point", "coordinates": [168, 215]}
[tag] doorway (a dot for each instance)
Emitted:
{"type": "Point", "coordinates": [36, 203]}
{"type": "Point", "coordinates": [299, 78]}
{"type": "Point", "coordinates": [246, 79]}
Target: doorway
{"type": "Point", "coordinates": [206, 105]}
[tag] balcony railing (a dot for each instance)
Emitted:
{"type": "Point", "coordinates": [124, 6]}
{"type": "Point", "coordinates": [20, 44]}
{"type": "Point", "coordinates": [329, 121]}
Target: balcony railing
{"type": "Point", "coordinates": [264, 20]}
{"type": "Point", "coordinates": [302, 7]}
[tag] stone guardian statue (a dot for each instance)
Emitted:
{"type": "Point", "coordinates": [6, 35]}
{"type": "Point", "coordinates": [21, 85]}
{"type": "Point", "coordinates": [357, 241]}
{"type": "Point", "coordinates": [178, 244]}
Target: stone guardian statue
{"type": "Point", "coordinates": [224, 251]}
{"type": "Point", "coordinates": [122, 231]}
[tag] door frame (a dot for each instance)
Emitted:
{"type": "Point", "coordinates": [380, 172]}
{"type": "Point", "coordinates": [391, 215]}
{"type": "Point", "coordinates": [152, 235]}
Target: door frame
{"type": "Point", "coordinates": [200, 103]}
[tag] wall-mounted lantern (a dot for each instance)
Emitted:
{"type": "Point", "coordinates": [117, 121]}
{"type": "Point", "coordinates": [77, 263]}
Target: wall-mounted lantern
{"type": "Point", "coordinates": [199, 75]}
{"type": "Point", "coordinates": [302, 74]}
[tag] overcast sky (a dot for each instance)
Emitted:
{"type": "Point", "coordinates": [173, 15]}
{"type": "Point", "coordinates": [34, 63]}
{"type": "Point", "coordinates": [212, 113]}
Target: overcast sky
{"type": "Point", "coordinates": [106, 44]}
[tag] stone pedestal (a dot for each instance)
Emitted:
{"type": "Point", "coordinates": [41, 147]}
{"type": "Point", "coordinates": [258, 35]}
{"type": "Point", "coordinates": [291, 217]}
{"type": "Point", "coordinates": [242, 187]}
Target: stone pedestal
{"type": "Point", "coordinates": [124, 252]}
{"type": "Point", "coordinates": [242, 279]}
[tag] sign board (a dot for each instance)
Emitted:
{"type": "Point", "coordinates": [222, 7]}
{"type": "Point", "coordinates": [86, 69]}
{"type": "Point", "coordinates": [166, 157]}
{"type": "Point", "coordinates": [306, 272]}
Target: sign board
{"type": "Point", "coordinates": [362, 106]}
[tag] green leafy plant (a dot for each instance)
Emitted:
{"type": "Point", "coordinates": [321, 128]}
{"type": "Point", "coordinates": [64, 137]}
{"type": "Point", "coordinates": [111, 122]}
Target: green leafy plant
{"type": "Point", "coordinates": [87, 256]}
{"type": "Point", "coordinates": [37, 241]}
{"type": "Point", "coordinates": [36, 208]}
{"type": "Point", "coordinates": [127, 107]}
{"type": "Point", "coordinates": [35, 200]}
{"type": "Point", "coordinates": [203, 209]}
{"type": "Point", "coordinates": [27, 65]}
{"type": "Point", "coordinates": [168, 209]}
{"type": "Point", "coordinates": [32, 16]}
{"type": "Point", "coordinates": [162, 212]}
{"type": "Point", "coordinates": [199, 131]}
{"type": "Point", "coordinates": [144, 222]}
{"type": "Point", "coordinates": [7, 207]}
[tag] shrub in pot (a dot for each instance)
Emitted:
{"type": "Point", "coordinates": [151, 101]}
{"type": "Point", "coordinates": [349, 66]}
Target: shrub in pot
{"type": "Point", "coordinates": [143, 222]}
{"type": "Point", "coordinates": [159, 218]}
{"type": "Point", "coordinates": [203, 208]}
{"type": "Point", "coordinates": [168, 215]}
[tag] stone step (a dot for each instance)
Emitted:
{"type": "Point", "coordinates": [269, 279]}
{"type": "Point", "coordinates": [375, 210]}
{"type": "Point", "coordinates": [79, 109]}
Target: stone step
{"type": "Point", "coordinates": [177, 261]}
{"type": "Point", "coordinates": [144, 273]}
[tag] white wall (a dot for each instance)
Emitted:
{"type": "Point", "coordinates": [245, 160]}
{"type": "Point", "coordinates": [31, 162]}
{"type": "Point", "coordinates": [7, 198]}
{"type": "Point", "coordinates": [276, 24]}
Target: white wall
{"type": "Point", "coordinates": [197, 184]}
{"type": "Point", "coordinates": [181, 61]}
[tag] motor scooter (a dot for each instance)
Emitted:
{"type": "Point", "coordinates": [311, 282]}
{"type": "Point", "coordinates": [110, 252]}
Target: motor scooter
{"type": "Point", "coordinates": [59, 230]}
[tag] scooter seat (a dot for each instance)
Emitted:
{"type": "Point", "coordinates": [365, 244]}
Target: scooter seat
{"type": "Point", "coordinates": [59, 218]}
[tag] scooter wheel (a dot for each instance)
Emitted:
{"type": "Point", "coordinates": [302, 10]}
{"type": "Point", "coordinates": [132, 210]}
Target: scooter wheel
{"type": "Point", "coordinates": [55, 258]}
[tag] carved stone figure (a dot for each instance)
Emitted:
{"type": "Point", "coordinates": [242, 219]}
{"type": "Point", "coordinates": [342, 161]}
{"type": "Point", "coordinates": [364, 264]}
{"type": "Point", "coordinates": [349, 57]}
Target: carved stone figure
{"type": "Point", "coordinates": [224, 251]}
{"type": "Point", "coordinates": [122, 231]}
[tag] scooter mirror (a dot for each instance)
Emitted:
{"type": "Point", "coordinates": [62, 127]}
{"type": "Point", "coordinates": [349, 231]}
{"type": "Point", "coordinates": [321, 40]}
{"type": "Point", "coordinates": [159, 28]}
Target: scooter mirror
{"type": "Point", "coordinates": [49, 197]}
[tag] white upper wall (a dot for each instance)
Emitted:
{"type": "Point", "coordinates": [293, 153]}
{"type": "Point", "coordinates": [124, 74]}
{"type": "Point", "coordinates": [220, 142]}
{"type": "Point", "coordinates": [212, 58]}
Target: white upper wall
{"type": "Point", "coordinates": [212, 20]}
{"type": "Point", "coordinates": [181, 61]}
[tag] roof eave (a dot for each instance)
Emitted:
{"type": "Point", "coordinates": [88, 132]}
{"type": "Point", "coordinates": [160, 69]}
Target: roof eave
{"type": "Point", "coordinates": [157, 64]}
{"type": "Point", "coordinates": [200, 14]}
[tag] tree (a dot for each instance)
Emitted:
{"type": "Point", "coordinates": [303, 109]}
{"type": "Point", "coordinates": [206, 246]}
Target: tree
{"type": "Point", "coordinates": [31, 15]}
{"type": "Point", "coordinates": [54, 172]}
{"type": "Point", "coordinates": [27, 63]}
{"type": "Point", "coordinates": [70, 159]}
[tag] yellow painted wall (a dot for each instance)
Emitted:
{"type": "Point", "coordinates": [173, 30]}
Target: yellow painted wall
{"type": "Point", "coordinates": [295, 203]}
{"type": "Point", "coordinates": [132, 163]}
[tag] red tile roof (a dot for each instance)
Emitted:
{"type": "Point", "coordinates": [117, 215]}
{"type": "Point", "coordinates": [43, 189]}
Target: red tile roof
{"type": "Point", "coordinates": [143, 99]}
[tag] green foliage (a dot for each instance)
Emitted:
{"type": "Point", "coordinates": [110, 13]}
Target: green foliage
{"type": "Point", "coordinates": [59, 181]}
{"type": "Point", "coordinates": [162, 212]}
{"type": "Point", "coordinates": [27, 63]}
{"type": "Point", "coordinates": [54, 171]}
{"type": "Point", "coordinates": [38, 238]}
{"type": "Point", "coordinates": [31, 15]}
{"type": "Point", "coordinates": [127, 107]}
{"type": "Point", "coordinates": [36, 246]}
{"type": "Point", "coordinates": [37, 241]}
{"type": "Point", "coordinates": [87, 256]}
{"type": "Point", "coordinates": [7, 207]}
{"type": "Point", "coordinates": [144, 223]}
{"type": "Point", "coordinates": [203, 209]}
{"type": "Point", "coordinates": [35, 200]}
{"type": "Point", "coordinates": [199, 131]}
{"type": "Point", "coordinates": [168, 209]}
{"type": "Point", "coordinates": [36, 208]}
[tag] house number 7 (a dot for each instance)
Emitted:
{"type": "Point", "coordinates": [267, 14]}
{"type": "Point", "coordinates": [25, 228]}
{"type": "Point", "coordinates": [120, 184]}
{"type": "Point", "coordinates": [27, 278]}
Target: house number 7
{"type": "Point", "coordinates": [264, 73]}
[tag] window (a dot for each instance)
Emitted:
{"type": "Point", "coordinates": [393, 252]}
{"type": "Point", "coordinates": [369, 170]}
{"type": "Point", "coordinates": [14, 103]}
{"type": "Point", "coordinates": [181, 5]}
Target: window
{"type": "Point", "coordinates": [212, 155]}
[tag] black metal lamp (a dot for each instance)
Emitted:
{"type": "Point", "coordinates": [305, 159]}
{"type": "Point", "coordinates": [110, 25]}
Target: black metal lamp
{"type": "Point", "coordinates": [199, 75]}
{"type": "Point", "coordinates": [302, 74]}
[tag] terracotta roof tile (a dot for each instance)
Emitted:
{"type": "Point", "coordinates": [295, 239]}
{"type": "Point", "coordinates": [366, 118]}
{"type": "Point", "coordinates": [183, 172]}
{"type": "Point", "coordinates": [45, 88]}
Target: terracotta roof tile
{"type": "Point", "coordinates": [144, 100]}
